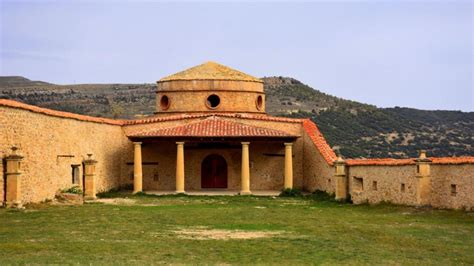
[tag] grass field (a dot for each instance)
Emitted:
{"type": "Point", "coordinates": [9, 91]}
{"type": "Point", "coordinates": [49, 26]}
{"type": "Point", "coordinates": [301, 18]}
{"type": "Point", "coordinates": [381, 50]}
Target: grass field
{"type": "Point", "coordinates": [235, 230]}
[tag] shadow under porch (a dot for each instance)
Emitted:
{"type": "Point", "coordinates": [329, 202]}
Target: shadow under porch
{"type": "Point", "coordinates": [214, 166]}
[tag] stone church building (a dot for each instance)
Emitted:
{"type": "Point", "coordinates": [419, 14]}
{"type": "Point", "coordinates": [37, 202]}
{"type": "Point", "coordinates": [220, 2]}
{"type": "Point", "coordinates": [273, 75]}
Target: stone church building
{"type": "Point", "coordinates": [210, 133]}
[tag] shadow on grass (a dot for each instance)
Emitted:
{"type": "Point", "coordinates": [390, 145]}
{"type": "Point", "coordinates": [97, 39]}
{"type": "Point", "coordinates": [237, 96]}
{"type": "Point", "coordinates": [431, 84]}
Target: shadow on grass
{"type": "Point", "coordinates": [317, 196]}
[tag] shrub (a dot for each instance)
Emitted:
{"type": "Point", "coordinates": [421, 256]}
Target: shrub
{"type": "Point", "coordinates": [72, 190]}
{"type": "Point", "coordinates": [290, 192]}
{"type": "Point", "coordinates": [320, 195]}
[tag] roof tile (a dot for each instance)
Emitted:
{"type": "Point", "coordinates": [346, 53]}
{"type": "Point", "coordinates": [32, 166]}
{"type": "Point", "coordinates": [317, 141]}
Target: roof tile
{"type": "Point", "coordinates": [201, 115]}
{"type": "Point", "coordinates": [36, 109]}
{"type": "Point", "coordinates": [212, 127]}
{"type": "Point", "coordinates": [319, 141]}
{"type": "Point", "coordinates": [409, 161]}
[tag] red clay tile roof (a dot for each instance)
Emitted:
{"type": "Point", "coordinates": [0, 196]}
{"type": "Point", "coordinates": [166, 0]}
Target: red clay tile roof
{"type": "Point", "coordinates": [319, 141]}
{"type": "Point", "coordinates": [379, 161]}
{"type": "Point", "coordinates": [390, 161]}
{"type": "Point", "coordinates": [200, 115]}
{"type": "Point", "coordinates": [213, 127]}
{"type": "Point", "coordinates": [36, 109]}
{"type": "Point", "coordinates": [452, 160]}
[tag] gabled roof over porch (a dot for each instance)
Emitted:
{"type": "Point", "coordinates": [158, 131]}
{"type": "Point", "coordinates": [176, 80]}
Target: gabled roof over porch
{"type": "Point", "coordinates": [212, 127]}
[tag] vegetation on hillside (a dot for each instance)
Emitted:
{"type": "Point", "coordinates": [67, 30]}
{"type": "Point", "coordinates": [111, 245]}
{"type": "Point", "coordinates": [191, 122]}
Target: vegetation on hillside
{"type": "Point", "coordinates": [360, 130]}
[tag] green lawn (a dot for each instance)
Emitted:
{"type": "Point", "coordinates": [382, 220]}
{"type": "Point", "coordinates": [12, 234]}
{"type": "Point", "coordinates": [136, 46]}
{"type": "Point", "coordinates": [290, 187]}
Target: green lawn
{"type": "Point", "coordinates": [180, 229]}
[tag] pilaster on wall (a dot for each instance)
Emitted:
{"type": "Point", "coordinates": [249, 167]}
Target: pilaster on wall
{"type": "Point", "coordinates": [13, 179]}
{"type": "Point", "coordinates": [423, 189]}
{"type": "Point", "coordinates": [90, 183]}
{"type": "Point", "coordinates": [341, 179]}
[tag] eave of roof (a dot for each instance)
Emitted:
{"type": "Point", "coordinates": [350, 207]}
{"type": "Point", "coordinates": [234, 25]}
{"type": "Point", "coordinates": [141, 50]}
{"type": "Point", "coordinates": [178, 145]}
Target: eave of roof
{"type": "Point", "coordinates": [319, 141]}
{"type": "Point", "coordinates": [409, 161]}
{"type": "Point", "coordinates": [453, 160]}
{"type": "Point", "coordinates": [201, 115]}
{"type": "Point", "coordinates": [379, 161]}
{"type": "Point", "coordinates": [50, 112]}
{"type": "Point", "coordinates": [212, 127]}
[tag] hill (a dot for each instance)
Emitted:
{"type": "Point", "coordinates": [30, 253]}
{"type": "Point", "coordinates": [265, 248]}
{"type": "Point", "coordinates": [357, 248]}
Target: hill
{"type": "Point", "coordinates": [18, 81]}
{"type": "Point", "coordinates": [360, 130]}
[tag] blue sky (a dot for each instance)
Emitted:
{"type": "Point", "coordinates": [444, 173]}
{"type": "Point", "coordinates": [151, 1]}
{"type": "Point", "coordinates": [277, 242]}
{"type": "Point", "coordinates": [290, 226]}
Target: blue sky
{"type": "Point", "coordinates": [386, 53]}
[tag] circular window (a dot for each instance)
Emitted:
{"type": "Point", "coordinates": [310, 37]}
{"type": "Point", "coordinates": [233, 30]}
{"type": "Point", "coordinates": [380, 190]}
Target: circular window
{"type": "Point", "coordinates": [164, 102]}
{"type": "Point", "coordinates": [213, 101]}
{"type": "Point", "coordinates": [259, 102]}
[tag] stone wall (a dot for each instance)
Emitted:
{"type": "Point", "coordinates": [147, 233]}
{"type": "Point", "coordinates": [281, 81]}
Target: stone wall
{"type": "Point", "coordinates": [390, 180]}
{"type": "Point", "coordinates": [210, 85]}
{"type": "Point", "coordinates": [396, 184]}
{"type": "Point", "coordinates": [2, 172]}
{"type": "Point", "coordinates": [51, 144]}
{"type": "Point", "coordinates": [191, 96]}
{"type": "Point", "coordinates": [443, 177]}
{"type": "Point", "coordinates": [318, 174]}
{"type": "Point", "coordinates": [230, 101]}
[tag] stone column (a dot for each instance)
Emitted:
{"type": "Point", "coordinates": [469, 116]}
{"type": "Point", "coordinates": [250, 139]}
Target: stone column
{"type": "Point", "coordinates": [89, 174]}
{"type": "Point", "coordinates": [13, 179]}
{"type": "Point", "coordinates": [180, 167]}
{"type": "Point", "coordinates": [245, 172]}
{"type": "Point", "coordinates": [423, 188]}
{"type": "Point", "coordinates": [341, 179]}
{"type": "Point", "coordinates": [137, 168]}
{"type": "Point", "coordinates": [288, 165]}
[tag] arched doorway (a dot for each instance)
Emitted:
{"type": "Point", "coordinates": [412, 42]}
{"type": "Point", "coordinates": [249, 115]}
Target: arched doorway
{"type": "Point", "coordinates": [214, 172]}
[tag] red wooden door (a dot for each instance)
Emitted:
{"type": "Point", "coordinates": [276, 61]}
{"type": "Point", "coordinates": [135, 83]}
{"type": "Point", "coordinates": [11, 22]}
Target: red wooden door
{"type": "Point", "coordinates": [214, 172]}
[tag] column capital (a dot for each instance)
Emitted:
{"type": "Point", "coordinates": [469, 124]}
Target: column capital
{"type": "Point", "coordinates": [137, 143]}
{"type": "Point", "coordinates": [288, 143]}
{"type": "Point", "coordinates": [180, 142]}
{"type": "Point", "coordinates": [245, 143]}
{"type": "Point", "coordinates": [14, 155]}
{"type": "Point", "coordinates": [89, 160]}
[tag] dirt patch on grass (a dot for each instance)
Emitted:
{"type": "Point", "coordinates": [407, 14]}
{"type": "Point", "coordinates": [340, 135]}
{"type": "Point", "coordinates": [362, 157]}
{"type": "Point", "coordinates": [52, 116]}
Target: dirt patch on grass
{"type": "Point", "coordinates": [221, 234]}
{"type": "Point", "coordinates": [117, 201]}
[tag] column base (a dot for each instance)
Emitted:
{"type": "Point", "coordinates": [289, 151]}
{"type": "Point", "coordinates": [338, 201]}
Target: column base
{"type": "Point", "coordinates": [245, 193]}
{"type": "Point", "coordinates": [90, 197]}
{"type": "Point", "coordinates": [14, 204]}
{"type": "Point", "coordinates": [340, 199]}
{"type": "Point", "coordinates": [180, 192]}
{"type": "Point", "coordinates": [138, 191]}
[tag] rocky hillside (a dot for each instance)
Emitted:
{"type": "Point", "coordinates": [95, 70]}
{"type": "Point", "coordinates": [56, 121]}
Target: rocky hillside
{"type": "Point", "coordinates": [360, 130]}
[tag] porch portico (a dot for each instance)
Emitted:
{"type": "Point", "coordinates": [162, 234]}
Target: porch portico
{"type": "Point", "coordinates": [221, 155]}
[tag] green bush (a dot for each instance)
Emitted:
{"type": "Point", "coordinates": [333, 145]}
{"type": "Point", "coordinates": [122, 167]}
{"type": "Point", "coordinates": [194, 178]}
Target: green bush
{"type": "Point", "coordinates": [72, 190]}
{"type": "Point", "coordinates": [290, 192]}
{"type": "Point", "coordinates": [320, 195]}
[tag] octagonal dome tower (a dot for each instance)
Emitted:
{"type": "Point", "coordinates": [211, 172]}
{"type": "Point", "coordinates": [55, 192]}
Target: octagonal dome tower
{"type": "Point", "coordinates": [210, 87]}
